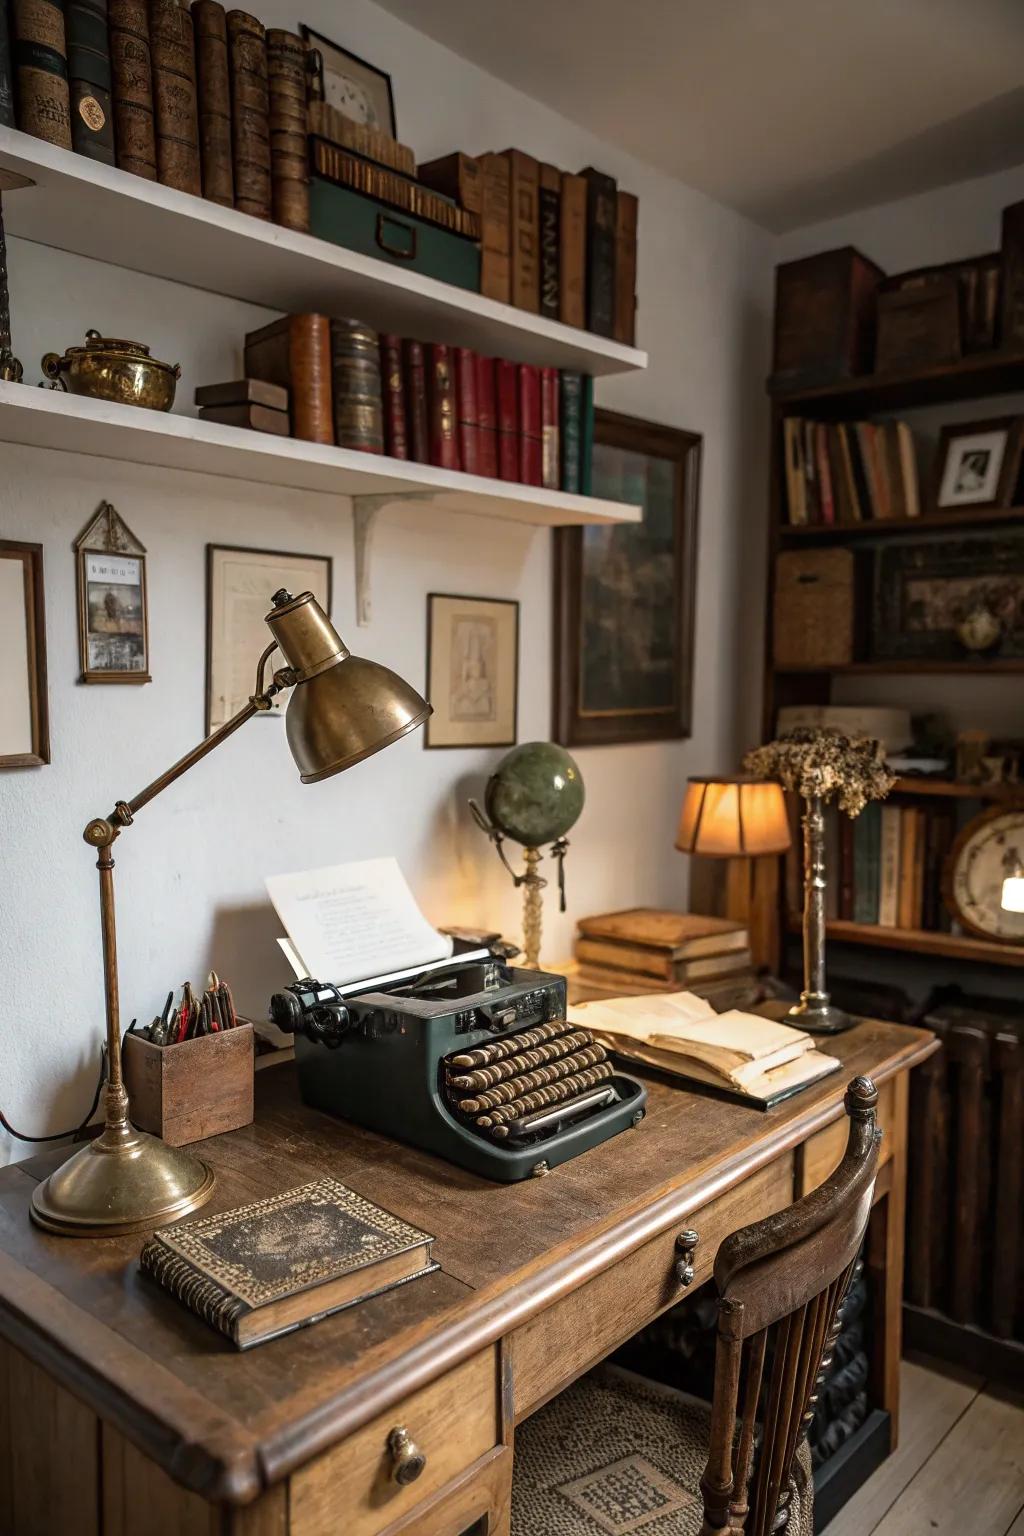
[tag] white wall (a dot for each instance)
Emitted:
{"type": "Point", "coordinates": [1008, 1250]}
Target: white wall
{"type": "Point", "coordinates": [190, 872]}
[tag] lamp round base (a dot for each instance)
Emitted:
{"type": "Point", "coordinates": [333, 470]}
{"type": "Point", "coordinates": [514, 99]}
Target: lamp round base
{"type": "Point", "coordinates": [819, 1018]}
{"type": "Point", "coordinates": [107, 1189]}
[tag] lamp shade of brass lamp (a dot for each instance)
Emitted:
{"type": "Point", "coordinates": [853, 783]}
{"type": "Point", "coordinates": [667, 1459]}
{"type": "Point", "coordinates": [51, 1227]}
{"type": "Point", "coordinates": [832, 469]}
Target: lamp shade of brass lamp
{"type": "Point", "coordinates": [343, 709]}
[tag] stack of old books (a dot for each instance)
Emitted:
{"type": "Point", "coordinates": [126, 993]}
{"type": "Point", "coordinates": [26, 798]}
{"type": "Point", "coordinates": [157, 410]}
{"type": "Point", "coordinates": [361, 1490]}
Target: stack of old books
{"type": "Point", "coordinates": [644, 949]}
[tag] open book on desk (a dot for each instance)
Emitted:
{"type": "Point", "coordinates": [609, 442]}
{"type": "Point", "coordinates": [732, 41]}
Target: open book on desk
{"type": "Point", "coordinates": [757, 1060]}
{"type": "Point", "coordinates": [357, 925]}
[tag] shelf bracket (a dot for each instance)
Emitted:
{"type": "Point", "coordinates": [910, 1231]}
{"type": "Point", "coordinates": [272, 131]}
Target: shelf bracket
{"type": "Point", "coordinates": [364, 516]}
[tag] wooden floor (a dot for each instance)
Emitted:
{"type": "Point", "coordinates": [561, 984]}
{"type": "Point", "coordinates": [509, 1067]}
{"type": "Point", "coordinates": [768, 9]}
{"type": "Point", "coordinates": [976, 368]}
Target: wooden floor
{"type": "Point", "coordinates": [959, 1469]}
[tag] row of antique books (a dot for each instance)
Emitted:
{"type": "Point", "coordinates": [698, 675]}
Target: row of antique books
{"type": "Point", "coordinates": [884, 866]}
{"type": "Point", "coordinates": [204, 100]}
{"type": "Point", "coordinates": [849, 471]}
{"type": "Point", "coordinates": [646, 949]}
{"type": "Point", "coordinates": [423, 401]}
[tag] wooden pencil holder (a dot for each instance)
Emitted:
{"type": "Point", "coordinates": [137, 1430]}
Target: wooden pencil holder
{"type": "Point", "coordinates": [194, 1089]}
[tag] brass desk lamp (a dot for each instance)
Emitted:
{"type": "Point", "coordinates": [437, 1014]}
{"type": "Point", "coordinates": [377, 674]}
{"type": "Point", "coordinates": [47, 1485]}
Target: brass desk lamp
{"type": "Point", "coordinates": [343, 709]}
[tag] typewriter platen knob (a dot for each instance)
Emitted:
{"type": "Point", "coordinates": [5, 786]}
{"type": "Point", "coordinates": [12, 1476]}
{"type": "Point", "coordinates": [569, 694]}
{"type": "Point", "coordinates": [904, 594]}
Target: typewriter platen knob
{"type": "Point", "coordinates": [407, 1460]}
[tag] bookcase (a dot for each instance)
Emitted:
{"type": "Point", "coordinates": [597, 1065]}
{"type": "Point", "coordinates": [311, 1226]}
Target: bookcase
{"type": "Point", "coordinates": [875, 397]}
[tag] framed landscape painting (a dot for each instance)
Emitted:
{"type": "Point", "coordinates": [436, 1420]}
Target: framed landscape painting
{"type": "Point", "coordinates": [624, 593]}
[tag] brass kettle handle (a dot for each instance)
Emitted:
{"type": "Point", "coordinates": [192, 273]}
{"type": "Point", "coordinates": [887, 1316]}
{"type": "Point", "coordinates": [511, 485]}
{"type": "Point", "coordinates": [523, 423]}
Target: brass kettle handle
{"type": "Point", "coordinates": [686, 1242]}
{"type": "Point", "coordinates": [407, 1460]}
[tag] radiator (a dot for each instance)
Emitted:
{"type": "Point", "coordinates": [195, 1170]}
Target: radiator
{"type": "Point", "coordinates": [965, 1247]}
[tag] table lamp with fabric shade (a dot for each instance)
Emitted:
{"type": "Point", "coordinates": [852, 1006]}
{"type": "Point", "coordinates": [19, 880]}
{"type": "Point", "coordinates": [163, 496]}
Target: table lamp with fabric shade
{"type": "Point", "coordinates": [743, 820]}
{"type": "Point", "coordinates": [343, 709]}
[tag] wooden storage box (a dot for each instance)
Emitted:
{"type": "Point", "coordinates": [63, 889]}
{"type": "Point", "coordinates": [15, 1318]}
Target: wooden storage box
{"type": "Point", "coordinates": [195, 1089]}
{"type": "Point", "coordinates": [362, 224]}
{"type": "Point", "coordinates": [824, 319]}
{"type": "Point", "coordinates": [814, 608]}
{"type": "Point", "coordinates": [918, 322]}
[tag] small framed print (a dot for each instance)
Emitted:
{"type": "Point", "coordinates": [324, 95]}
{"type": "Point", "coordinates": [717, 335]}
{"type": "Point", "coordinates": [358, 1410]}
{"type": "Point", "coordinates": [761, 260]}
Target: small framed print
{"type": "Point", "coordinates": [113, 613]}
{"type": "Point", "coordinates": [472, 671]}
{"type": "Point", "coordinates": [979, 463]}
{"type": "Point", "coordinates": [240, 585]}
{"type": "Point", "coordinates": [24, 718]}
{"type": "Point", "coordinates": [359, 90]}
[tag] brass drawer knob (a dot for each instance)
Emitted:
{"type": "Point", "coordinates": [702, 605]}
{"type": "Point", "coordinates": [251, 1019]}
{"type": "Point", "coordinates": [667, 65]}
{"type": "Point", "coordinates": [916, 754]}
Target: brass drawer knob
{"type": "Point", "coordinates": [407, 1460]}
{"type": "Point", "coordinates": [686, 1242]}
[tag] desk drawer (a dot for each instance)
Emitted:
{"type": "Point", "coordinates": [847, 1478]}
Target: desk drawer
{"type": "Point", "coordinates": [570, 1336]}
{"type": "Point", "coordinates": [454, 1421]}
{"type": "Point", "coordinates": [822, 1153]}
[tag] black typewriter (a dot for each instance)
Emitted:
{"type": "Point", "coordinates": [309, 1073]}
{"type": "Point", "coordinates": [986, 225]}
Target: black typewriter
{"type": "Point", "coordinates": [474, 1061]}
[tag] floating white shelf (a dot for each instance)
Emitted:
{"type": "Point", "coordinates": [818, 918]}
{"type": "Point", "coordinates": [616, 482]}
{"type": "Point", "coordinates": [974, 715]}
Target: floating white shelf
{"type": "Point", "coordinates": [79, 205]}
{"type": "Point", "coordinates": [47, 418]}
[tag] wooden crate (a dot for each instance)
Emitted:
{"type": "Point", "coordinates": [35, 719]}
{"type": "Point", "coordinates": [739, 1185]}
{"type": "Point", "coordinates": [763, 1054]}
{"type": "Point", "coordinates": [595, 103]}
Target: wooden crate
{"type": "Point", "coordinates": [197, 1088]}
{"type": "Point", "coordinates": [824, 318]}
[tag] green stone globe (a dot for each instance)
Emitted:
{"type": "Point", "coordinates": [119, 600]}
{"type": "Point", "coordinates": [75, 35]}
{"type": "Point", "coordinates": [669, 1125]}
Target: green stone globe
{"type": "Point", "coordinates": [535, 794]}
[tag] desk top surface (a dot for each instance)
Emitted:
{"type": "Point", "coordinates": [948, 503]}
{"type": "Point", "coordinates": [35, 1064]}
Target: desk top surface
{"type": "Point", "coordinates": [227, 1423]}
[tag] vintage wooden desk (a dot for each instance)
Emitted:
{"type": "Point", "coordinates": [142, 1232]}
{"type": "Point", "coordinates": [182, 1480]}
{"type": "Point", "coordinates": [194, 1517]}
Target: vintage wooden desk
{"type": "Point", "coordinates": [122, 1414]}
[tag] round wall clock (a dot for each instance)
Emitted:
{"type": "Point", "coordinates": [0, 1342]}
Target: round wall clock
{"type": "Point", "coordinates": [987, 850]}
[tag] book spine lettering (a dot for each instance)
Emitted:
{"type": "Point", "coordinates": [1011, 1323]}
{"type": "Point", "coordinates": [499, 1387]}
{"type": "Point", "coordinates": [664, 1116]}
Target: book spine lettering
{"type": "Point", "coordinates": [174, 96]}
{"type": "Point", "coordinates": [41, 70]}
{"type": "Point", "coordinates": [444, 443]}
{"type": "Point", "coordinates": [132, 76]}
{"type": "Point", "coordinates": [289, 173]}
{"type": "Point", "coordinates": [551, 470]}
{"type": "Point", "coordinates": [213, 87]}
{"type": "Point", "coordinates": [525, 176]}
{"type": "Point", "coordinates": [467, 409]}
{"type": "Point", "coordinates": [569, 434]}
{"type": "Point", "coordinates": [396, 437]}
{"type": "Point", "coordinates": [601, 223]}
{"type": "Point", "coordinates": [508, 421]}
{"type": "Point", "coordinates": [549, 200]}
{"type": "Point", "coordinates": [625, 268]}
{"type": "Point", "coordinates": [416, 402]}
{"type": "Point", "coordinates": [250, 114]}
{"type": "Point", "coordinates": [531, 445]}
{"type": "Point", "coordinates": [89, 78]}
{"type": "Point", "coordinates": [356, 386]}
{"type": "Point", "coordinates": [487, 417]}
{"type": "Point", "coordinates": [572, 271]}
{"type": "Point", "coordinates": [196, 1291]}
{"type": "Point", "coordinates": [496, 230]}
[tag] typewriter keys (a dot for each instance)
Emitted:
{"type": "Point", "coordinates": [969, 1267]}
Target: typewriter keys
{"type": "Point", "coordinates": [528, 1084]}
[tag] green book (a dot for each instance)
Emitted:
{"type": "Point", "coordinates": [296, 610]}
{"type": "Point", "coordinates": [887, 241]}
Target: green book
{"type": "Point", "coordinates": [867, 863]}
{"type": "Point", "coordinates": [571, 405]}
{"type": "Point", "coordinates": [587, 437]}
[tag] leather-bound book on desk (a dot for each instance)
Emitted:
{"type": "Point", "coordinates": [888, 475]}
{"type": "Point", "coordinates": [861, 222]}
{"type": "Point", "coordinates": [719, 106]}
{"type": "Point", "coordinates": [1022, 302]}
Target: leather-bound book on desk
{"type": "Point", "coordinates": [131, 71]}
{"type": "Point", "coordinates": [172, 48]}
{"type": "Point", "coordinates": [295, 352]}
{"type": "Point", "coordinates": [268, 1268]}
{"type": "Point", "coordinates": [250, 114]}
{"type": "Point", "coordinates": [213, 79]}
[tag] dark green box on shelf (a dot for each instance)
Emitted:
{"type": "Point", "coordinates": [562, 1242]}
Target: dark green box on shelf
{"type": "Point", "coordinates": [362, 224]}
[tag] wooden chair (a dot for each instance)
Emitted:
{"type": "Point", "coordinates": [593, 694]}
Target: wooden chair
{"type": "Point", "coordinates": [615, 1453]}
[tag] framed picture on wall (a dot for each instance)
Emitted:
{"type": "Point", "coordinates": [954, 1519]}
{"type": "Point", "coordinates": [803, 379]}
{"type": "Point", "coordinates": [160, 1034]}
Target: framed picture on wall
{"type": "Point", "coordinates": [113, 605]}
{"type": "Point", "coordinates": [240, 585]}
{"type": "Point", "coordinates": [624, 594]}
{"type": "Point", "coordinates": [24, 716]}
{"type": "Point", "coordinates": [359, 90]}
{"type": "Point", "coordinates": [472, 671]}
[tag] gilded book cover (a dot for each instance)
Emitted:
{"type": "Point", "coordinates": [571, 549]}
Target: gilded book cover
{"type": "Point", "coordinates": [266, 1268]}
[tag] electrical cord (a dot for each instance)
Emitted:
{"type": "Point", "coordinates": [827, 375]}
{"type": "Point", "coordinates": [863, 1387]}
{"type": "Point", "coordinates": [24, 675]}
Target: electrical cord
{"type": "Point", "coordinates": [79, 1129]}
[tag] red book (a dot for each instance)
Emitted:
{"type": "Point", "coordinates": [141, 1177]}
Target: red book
{"type": "Point", "coordinates": [508, 421]}
{"type": "Point", "coordinates": [467, 410]}
{"type": "Point", "coordinates": [416, 402]}
{"type": "Point", "coordinates": [396, 437]}
{"type": "Point", "coordinates": [444, 441]}
{"type": "Point", "coordinates": [531, 450]}
{"type": "Point", "coordinates": [487, 417]}
{"type": "Point", "coordinates": [828, 506]}
{"type": "Point", "coordinates": [550, 466]}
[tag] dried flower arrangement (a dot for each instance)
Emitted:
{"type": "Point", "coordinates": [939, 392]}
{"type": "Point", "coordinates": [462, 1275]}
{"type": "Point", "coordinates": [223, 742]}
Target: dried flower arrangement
{"type": "Point", "coordinates": [827, 765]}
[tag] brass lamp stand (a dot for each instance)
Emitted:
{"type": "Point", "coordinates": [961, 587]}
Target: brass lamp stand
{"type": "Point", "coordinates": [125, 1180]}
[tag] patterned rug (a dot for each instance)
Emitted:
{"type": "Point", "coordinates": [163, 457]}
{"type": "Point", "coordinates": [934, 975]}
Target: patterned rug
{"type": "Point", "coordinates": [615, 1454]}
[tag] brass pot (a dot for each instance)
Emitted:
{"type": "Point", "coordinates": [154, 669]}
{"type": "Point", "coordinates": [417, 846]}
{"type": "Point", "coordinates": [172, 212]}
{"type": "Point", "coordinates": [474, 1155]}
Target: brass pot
{"type": "Point", "coordinates": [114, 370]}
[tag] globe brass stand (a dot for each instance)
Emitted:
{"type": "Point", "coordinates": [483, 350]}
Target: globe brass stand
{"type": "Point", "coordinates": [344, 708]}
